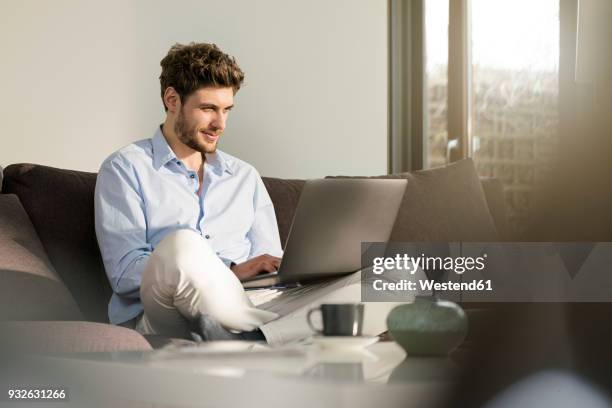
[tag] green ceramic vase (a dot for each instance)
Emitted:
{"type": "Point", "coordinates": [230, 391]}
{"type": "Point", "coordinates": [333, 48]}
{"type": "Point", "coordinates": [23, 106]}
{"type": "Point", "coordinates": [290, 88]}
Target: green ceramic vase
{"type": "Point", "coordinates": [428, 327]}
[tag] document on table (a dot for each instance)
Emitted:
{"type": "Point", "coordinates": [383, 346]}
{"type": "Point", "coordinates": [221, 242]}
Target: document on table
{"type": "Point", "coordinates": [292, 304]}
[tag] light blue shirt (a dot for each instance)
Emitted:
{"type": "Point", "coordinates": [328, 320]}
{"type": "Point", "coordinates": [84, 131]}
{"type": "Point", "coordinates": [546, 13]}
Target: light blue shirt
{"type": "Point", "coordinates": [143, 193]}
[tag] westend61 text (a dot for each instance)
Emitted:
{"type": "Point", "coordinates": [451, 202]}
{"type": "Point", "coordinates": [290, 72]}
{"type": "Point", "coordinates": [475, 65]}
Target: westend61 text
{"type": "Point", "coordinates": [429, 285]}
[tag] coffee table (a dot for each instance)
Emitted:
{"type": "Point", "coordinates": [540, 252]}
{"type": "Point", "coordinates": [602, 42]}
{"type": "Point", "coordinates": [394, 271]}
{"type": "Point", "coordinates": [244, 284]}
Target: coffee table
{"type": "Point", "coordinates": [243, 374]}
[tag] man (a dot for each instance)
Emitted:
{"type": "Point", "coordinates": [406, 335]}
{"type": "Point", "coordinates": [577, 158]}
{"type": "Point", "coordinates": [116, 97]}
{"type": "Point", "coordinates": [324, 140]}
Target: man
{"type": "Point", "coordinates": [179, 222]}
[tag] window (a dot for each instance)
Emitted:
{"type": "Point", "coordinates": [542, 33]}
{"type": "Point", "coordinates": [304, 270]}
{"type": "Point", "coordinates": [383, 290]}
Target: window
{"type": "Point", "coordinates": [503, 85]}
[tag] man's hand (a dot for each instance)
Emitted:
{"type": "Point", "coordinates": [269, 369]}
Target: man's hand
{"type": "Point", "coordinates": [255, 266]}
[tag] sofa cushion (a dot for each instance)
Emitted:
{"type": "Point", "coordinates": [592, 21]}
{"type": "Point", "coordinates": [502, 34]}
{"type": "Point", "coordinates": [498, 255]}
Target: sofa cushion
{"type": "Point", "coordinates": [69, 337]}
{"type": "Point", "coordinates": [60, 205]}
{"type": "Point", "coordinates": [30, 289]}
{"type": "Point", "coordinates": [443, 204]}
{"type": "Point", "coordinates": [285, 195]}
{"type": "Point", "coordinates": [494, 193]}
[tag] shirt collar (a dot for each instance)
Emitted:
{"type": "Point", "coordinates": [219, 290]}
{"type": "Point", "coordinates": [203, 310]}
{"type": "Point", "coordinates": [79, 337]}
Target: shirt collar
{"type": "Point", "coordinates": [218, 162]}
{"type": "Point", "coordinates": [162, 154]}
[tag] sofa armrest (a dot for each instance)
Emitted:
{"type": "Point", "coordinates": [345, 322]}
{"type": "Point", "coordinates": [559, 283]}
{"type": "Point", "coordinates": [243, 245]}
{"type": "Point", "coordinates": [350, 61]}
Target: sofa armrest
{"type": "Point", "coordinates": [68, 337]}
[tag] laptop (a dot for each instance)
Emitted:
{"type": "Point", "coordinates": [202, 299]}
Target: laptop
{"type": "Point", "coordinates": [332, 219]}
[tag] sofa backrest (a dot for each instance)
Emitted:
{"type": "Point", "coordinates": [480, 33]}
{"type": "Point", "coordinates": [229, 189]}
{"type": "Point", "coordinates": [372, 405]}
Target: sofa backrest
{"type": "Point", "coordinates": [285, 195]}
{"type": "Point", "coordinates": [60, 206]}
{"type": "Point", "coordinates": [443, 204]}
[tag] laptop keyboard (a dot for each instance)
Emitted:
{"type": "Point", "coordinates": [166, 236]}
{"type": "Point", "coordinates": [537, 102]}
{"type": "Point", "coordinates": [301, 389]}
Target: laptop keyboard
{"type": "Point", "coordinates": [279, 299]}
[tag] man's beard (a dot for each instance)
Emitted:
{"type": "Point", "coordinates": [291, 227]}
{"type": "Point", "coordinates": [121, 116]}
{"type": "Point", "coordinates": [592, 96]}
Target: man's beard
{"type": "Point", "coordinates": [189, 135]}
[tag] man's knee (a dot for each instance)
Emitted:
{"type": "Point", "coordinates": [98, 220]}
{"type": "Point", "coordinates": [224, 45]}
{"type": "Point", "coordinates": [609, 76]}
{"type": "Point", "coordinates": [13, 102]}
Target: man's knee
{"type": "Point", "coordinates": [179, 240]}
{"type": "Point", "coordinates": [180, 248]}
{"type": "Point", "coordinates": [180, 256]}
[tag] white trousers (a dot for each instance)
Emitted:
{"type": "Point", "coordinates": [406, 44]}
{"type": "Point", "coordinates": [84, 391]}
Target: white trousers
{"type": "Point", "coordinates": [183, 279]}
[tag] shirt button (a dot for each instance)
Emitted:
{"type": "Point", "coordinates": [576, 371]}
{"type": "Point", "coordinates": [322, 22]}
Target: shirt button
{"type": "Point", "coordinates": [207, 236]}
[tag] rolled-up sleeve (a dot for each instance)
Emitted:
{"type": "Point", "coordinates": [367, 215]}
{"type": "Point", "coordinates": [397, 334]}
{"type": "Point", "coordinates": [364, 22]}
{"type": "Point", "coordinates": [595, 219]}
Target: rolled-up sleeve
{"type": "Point", "coordinates": [264, 235]}
{"type": "Point", "coordinates": [121, 226]}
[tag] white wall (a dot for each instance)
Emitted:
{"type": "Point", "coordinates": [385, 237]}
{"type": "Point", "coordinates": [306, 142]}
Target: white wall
{"type": "Point", "coordinates": [80, 79]}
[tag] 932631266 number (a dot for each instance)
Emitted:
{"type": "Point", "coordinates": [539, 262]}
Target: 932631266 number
{"type": "Point", "coordinates": [36, 393]}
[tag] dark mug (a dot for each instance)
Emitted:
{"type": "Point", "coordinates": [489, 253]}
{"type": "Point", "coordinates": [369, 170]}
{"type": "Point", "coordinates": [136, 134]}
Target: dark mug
{"type": "Point", "coordinates": [339, 319]}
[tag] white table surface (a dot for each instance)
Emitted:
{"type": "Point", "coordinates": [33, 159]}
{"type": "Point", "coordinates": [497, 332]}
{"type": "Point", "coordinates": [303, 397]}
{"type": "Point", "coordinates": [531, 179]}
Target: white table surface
{"type": "Point", "coordinates": [247, 375]}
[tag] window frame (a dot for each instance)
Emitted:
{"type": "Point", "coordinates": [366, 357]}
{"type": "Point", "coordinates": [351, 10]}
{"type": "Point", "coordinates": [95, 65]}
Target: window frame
{"type": "Point", "coordinates": [407, 85]}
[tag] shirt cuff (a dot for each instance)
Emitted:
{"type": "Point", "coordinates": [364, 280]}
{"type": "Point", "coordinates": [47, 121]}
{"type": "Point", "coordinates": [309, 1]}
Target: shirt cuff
{"type": "Point", "coordinates": [229, 263]}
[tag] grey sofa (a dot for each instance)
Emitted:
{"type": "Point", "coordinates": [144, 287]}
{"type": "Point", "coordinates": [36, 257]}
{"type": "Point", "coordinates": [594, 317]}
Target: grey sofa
{"type": "Point", "coordinates": [54, 292]}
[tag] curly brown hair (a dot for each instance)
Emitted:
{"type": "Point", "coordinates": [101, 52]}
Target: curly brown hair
{"type": "Point", "coordinates": [187, 68]}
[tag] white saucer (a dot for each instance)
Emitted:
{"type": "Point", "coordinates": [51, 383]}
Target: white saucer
{"type": "Point", "coordinates": [343, 342]}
